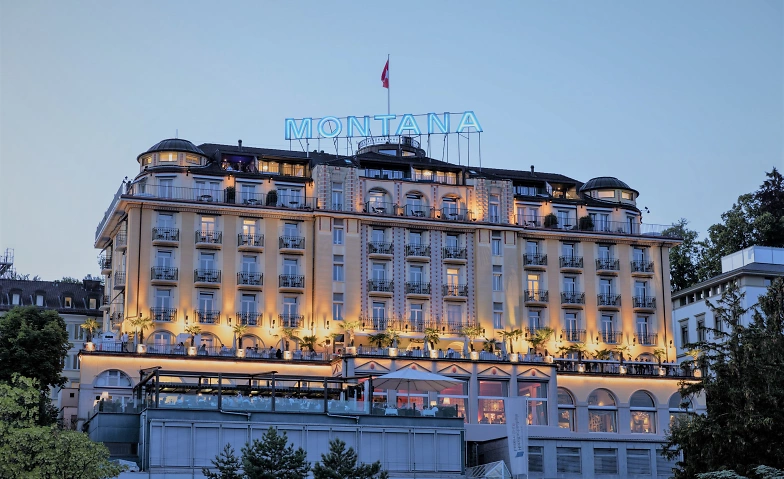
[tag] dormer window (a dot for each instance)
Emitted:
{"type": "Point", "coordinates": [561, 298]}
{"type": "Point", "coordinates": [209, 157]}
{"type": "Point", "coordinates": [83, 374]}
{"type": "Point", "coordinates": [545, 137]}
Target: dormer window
{"type": "Point", "coordinates": [605, 194]}
{"type": "Point", "coordinates": [68, 302]}
{"type": "Point", "coordinates": [39, 300]}
{"type": "Point", "coordinates": [192, 159]}
{"type": "Point", "coordinates": [15, 299]}
{"type": "Point", "coordinates": [270, 167]}
{"type": "Point", "coordinates": [93, 303]}
{"type": "Point", "coordinates": [167, 156]}
{"type": "Point", "coordinates": [146, 160]}
{"type": "Point", "coordinates": [627, 195]}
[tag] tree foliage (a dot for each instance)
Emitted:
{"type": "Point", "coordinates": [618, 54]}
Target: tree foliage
{"type": "Point", "coordinates": [683, 257]}
{"type": "Point", "coordinates": [341, 463]}
{"type": "Point", "coordinates": [272, 458]}
{"type": "Point", "coordinates": [227, 464]}
{"type": "Point", "coordinates": [743, 389]}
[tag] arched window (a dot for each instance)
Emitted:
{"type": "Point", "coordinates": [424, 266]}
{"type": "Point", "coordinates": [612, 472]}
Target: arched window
{"type": "Point", "coordinates": [643, 413]}
{"type": "Point", "coordinates": [680, 407]}
{"type": "Point", "coordinates": [602, 411]}
{"type": "Point", "coordinates": [377, 202]}
{"type": "Point", "coordinates": [159, 341]}
{"type": "Point", "coordinates": [565, 409]}
{"type": "Point", "coordinates": [113, 378]}
{"type": "Point", "coordinates": [416, 205]}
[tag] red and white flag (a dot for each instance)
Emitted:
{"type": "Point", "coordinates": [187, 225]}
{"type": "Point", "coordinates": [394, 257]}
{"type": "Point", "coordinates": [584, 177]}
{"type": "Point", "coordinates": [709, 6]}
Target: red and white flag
{"type": "Point", "coordinates": [385, 76]}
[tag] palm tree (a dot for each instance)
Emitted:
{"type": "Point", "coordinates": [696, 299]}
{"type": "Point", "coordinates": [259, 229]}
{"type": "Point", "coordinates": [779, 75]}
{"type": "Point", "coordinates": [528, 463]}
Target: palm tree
{"type": "Point", "coordinates": [511, 336]}
{"type": "Point", "coordinates": [309, 342]}
{"type": "Point", "coordinates": [193, 330]}
{"type": "Point", "coordinates": [141, 323]}
{"type": "Point", "coordinates": [288, 334]}
{"type": "Point", "coordinates": [239, 330]}
{"type": "Point", "coordinates": [471, 332]}
{"type": "Point", "coordinates": [332, 338]}
{"type": "Point", "coordinates": [578, 348]}
{"type": "Point", "coordinates": [659, 354]}
{"type": "Point", "coordinates": [432, 337]}
{"type": "Point", "coordinates": [379, 339]}
{"type": "Point", "coordinates": [392, 337]}
{"type": "Point", "coordinates": [90, 325]}
{"type": "Point", "coordinates": [540, 337]}
{"type": "Point", "coordinates": [350, 327]}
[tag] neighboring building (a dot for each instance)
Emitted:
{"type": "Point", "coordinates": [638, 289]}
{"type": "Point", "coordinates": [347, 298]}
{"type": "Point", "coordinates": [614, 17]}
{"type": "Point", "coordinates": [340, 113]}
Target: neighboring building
{"type": "Point", "coordinates": [75, 302]}
{"type": "Point", "coordinates": [753, 269]}
{"type": "Point", "coordinates": [220, 235]}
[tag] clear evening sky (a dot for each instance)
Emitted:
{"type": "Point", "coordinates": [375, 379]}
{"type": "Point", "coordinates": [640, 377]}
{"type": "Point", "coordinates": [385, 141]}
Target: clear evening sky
{"type": "Point", "coordinates": [682, 100]}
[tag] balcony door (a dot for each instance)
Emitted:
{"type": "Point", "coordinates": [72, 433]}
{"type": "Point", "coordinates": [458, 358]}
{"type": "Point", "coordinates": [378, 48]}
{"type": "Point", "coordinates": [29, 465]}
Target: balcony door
{"type": "Point", "coordinates": [638, 255]}
{"type": "Point", "coordinates": [248, 264]}
{"type": "Point", "coordinates": [534, 320]}
{"type": "Point", "coordinates": [452, 241]}
{"type": "Point", "coordinates": [291, 230]}
{"type": "Point", "coordinates": [414, 205]}
{"type": "Point", "coordinates": [290, 307]}
{"type": "Point", "coordinates": [416, 274]}
{"type": "Point", "coordinates": [163, 259]}
{"type": "Point", "coordinates": [248, 227]}
{"type": "Point", "coordinates": [570, 284]}
{"type": "Point", "coordinates": [452, 277]}
{"type": "Point", "coordinates": [417, 317]}
{"type": "Point", "coordinates": [207, 261]}
{"type": "Point", "coordinates": [248, 193]}
{"type": "Point", "coordinates": [454, 315]}
{"type": "Point", "coordinates": [533, 282]}
{"type": "Point", "coordinates": [570, 320]}
{"type": "Point", "coordinates": [290, 197]}
{"type": "Point", "coordinates": [207, 225]}
{"type": "Point", "coordinates": [379, 272]}
{"type": "Point", "coordinates": [568, 250]}
{"type": "Point", "coordinates": [601, 221]}
{"type": "Point", "coordinates": [494, 209]}
{"type": "Point", "coordinates": [248, 306]}
{"type": "Point", "coordinates": [290, 267]}
{"type": "Point", "coordinates": [643, 327]}
{"type": "Point", "coordinates": [206, 302]}
{"type": "Point", "coordinates": [605, 286]}
{"type": "Point", "coordinates": [449, 206]}
{"type": "Point", "coordinates": [608, 325]}
{"type": "Point", "coordinates": [377, 236]}
{"type": "Point", "coordinates": [532, 248]}
{"type": "Point", "coordinates": [379, 315]}
{"type": "Point", "coordinates": [604, 252]}
{"type": "Point", "coordinates": [165, 220]}
{"type": "Point", "coordinates": [641, 289]}
{"type": "Point", "coordinates": [415, 238]}
{"type": "Point", "coordinates": [163, 298]}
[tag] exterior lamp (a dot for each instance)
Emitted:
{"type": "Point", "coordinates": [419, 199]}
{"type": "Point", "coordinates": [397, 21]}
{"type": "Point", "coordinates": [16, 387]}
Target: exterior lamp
{"type": "Point", "coordinates": [186, 319]}
{"type": "Point", "coordinates": [634, 341]}
{"type": "Point", "coordinates": [433, 403]}
{"type": "Point", "coordinates": [621, 369]}
{"type": "Point", "coordinates": [327, 324]}
{"type": "Point", "coordinates": [229, 320]}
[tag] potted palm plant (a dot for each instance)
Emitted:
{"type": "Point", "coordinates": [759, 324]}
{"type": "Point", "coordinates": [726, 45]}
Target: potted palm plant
{"type": "Point", "coordinates": [380, 340]}
{"type": "Point", "coordinates": [350, 327]}
{"type": "Point", "coordinates": [511, 337]}
{"type": "Point", "coordinates": [309, 342]}
{"type": "Point", "coordinates": [539, 339]}
{"type": "Point", "coordinates": [91, 326]}
{"type": "Point", "coordinates": [192, 330]}
{"type": "Point", "coordinates": [239, 331]}
{"type": "Point", "coordinates": [432, 337]}
{"type": "Point", "coordinates": [659, 354]}
{"type": "Point", "coordinates": [140, 323]}
{"type": "Point", "coordinates": [393, 337]}
{"type": "Point", "coordinates": [472, 332]}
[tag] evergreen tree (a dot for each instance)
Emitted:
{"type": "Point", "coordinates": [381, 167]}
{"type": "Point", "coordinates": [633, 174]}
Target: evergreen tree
{"type": "Point", "coordinates": [743, 388]}
{"type": "Point", "coordinates": [271, 458]}
{"type": "Point", "coordinates": [227, 463]}
{"type": "Point", "coordinates": [683, 257]}
{"type": "Point", "coordinates": [341, 463]}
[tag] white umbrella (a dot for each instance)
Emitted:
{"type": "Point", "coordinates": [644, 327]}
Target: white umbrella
{"type": "Point", "coordinates": [426, 348]}
{"type": "Point", "coordinates": [414, 380]}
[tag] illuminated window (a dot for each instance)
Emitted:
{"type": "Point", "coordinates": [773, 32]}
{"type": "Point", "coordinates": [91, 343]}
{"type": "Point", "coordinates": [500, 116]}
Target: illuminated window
{"type": "Point", "coordinates": [627, 195]}
{"type": "Point", "coordinates": [337, 232]}
{"type": "Point", "coordinates": [337, 306]}
{"type": "Point", "coordinates": [498, 315]}
{"type": "Point", "coordinates": [338, 273]}
{"type": "Point", "coordinates": [167, 156]}
{"type": "Point", "coordinates": [605, 194]}
{"type": "Point", "coordinates": [453, 400]}
{"type": "Point", "coordinates": [565, 409]}
{"type": "Point", "coordinates": [680, 407]}
{"type": "Point", "coordinates": [93, 303]}
{"type": "Point", "coordinates": [113, 378]}
{"type": "Point", "coordinates": [536, 392]}
{"type": "Point", "coordinates": [498, 278]}
{"type": "Point", "coordinates": [643, 413]}
{"type": "Point", "coordinates": [39, 300]}
{"type": "Point", "coordinates": [602, 412]}
{"type": "Point", "coordinates": [491, 402]}
{"type": "Point", "coordinates": [192, 159]}
{"type": "Point", "coordinates": [68, 302]}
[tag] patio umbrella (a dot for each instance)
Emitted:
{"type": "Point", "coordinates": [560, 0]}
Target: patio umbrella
{"type": "Point", "coordinates": [415, 380]}
{"type": "Point", "coordinates": [426, 348]}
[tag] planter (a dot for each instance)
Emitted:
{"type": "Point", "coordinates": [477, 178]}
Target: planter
{"type": "Point", "coordinates": [240, 353]}
{"type": "Point", "coordinates": [433, 354]}
{"type": "Point", "coordinates": [141, 348]}
{"type": "Point", "coordinates": [698, 373]}
{"type": "Point", "coordinates": [475, 355]}
{"type": "Point", "coordinates": [288, 355]}
{"type": "Point", "coordinates": [662, 372]}
{"type": "Point", "coordinates": [621, 369]}
{"type": "Point", "coordinates": [351, 350]}
{"type": "Point", "coordinates": [581, 368]}
{"type": "Point", "coordinates": [514, 357]}
{"type": "Point", "coordinates": [192, 350]}
{"type": "Point", "coordinates": [393, 352]}
{"type": "Point", "coordinates": [548, 359]}
{"type": "Point", "coordinates": [89, 346]}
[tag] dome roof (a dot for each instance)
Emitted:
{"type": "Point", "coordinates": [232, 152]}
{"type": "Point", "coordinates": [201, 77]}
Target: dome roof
{"type": "Point", "coordinates": [175, 144]}
{"type": "Point", "coordinates": [605, 182]}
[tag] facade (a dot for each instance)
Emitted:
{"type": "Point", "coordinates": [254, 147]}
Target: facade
{"type": "Point", "coordinates": [753, 269]}
{"type": "Point", "coordinates": [299, 245]}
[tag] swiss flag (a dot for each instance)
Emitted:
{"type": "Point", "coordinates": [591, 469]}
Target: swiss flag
{"type": "Point", "coordinates": [385, 76]}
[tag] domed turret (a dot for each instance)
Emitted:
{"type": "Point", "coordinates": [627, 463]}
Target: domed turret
{"type": "Point", "coordinates": [609, 188]}
{"type": "Point", "coordinates": [173, 144]}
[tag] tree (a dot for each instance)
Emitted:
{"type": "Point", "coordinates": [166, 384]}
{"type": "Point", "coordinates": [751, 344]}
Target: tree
{"type": "Point", "coordinates": [309, 342]}
{"type": "Point", "coordinates": [193, 330]}
{"type": "Point", "coordinates": [341, 463]}
{"type": "Point", "coordinates": [684, 257]}
{"type": "Point", "coordinates": [380, 340]}
{"type": "Point", "coordinates": [511, 336]}
{"type": "Point", "coordinates": [350, 327]}
{"type": "Point", "coordinates": [227, 463]}
{"type": "Point", "coordinates": [69, 280]}
{"type": "Point", "coordinates": [288, 334]}
{"type": "Point", "coordinates": [471, 332]}
{"type": "Point", "coordinates": [91, 326]}
{"type": "Point", "coordinates": [540, 338]}
{"type": "Point", "coordinates": [432, 337]}
{"type": "Point", "coordinates": [743, 389]}
{"type": "Point", "coordinates": [239, 331]}
{"type": "Point", "coordinates": [140, 323]}
{"type": "Point", "coordinates": [272, 458]}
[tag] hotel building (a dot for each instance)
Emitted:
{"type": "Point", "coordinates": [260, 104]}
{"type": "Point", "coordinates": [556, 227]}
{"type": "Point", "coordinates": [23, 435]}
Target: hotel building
{"type": "Point", "coordinates": [296, 245]}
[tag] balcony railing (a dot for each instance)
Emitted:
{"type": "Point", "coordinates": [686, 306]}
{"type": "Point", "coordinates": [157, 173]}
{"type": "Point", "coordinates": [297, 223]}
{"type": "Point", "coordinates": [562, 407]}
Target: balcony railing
{"type": "Point", "coordinates": [454, 214]}
{"type": "Point", "coordinates": [417, 287]}
{"type": "Point", "coordinates": [571, 261]}
{"type": "Point", "coordinates": [530, 259]}
{"type": "Point", "coordinates": [377, 323]}
{"type": "Point", "coordinates": [573, 335]}
{"type": "Point", "coordinates": [630, 368]}
{"type": "Point", "coordinates": [166, 315]}
{"type": "Point", "coordinates": [105, 262]}
{"type": "Point", "coordinates": [207, 276]}
{"type": "Point", "coordinates": [612, 227]}
{"type": "Point", "coordinates": [204, 195]}
{"type": "Point", "coordinates": [537, 296]}
{"type": "Point", "coordinates": [608, 264]}
{"type": "Point", "coordinates": [375, 247]}
{"type": "Point", "coordinates": [105, 300]}
{"type": "Point", "coordinates": [291, 281]}
{"type": "Point", "coordinates": [166, 273]}
{"type": "Point", "coordinates": [608, 299]}
{"type": "Point", "coordinates": [417, 249]}
{"type": "Point", "coordinates": [572, 297]}
{"type": "Point", "coordinates": [250, 278]}
{"type": "Point", "coordinates": [291, 242]}
{"type": "Point", "coordinates": [121, 240]}
{"type": "Point", "coordinates": [456, 290]}
{"type": "Point", "coordinates": [380, 208]}
{"type": "Point", "coordinates": [456, 327]}
{"type": "Point", "coordinates": [455, 252]}
{"type": "Point", "coordinates": [611, 337]}
{"type": "Point", "coordinates": [291, 320]}
{"type": "Point", "coordinates": [209, 237]}
{"type": "Point", "coordinates": [645, 302]}
{"type": "Point", "coordinates": [434, 178]}
{"type": "Point", "coordinates": [117, 316]}
{"type": "Point", "coordinates": [249, 318]}
{"type": "Point", "coordinates": [165, 234]}
{"type": "Point", "coordinates": [416, 325]}
{"type": "Point", "coordinates": [642, 266]}
{"type": "Point", "coordinates": [419, 211]}
{"type": "Point", "coordinates": [381, 285]}
{"type": "Point", "coordinates": [207, 316]}
{"type": "Point", "coordinates": [250, 240]}
{"type": "Point", "coordinates": [647, 339]}
{"type": "Point", "coordinates": [119, 279]}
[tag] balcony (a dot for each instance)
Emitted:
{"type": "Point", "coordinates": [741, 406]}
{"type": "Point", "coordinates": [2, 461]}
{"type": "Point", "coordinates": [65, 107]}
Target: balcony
{"type": "Point", "coordinates": [416, 251]}
{"type": "Point", "coordinates": [117, 318]}
{"type": "Point", "coordinates": [536, 296]}
{"type": "Point", "coordinates": [535, 261]}
{"type": "Point", "coordinates": [376, 249]}
{"type": "Point", "coordinates": [454, 214]}
{"type": "Point", "coordinates": [647, 339]}
{"type": "Point", "coordinates": [250, 242]}
{"type": "Point", "coordinates": [417, 325]}
{"type": "Point", "coordinates": [292, 244]}
{"type": "Point", "coordinates": [644, 302]}
{"type": "Point", "coordinates": [207, 277]}
{"type": "Point", "coordinates": [209, 239]}
{"type": "Point", "coordinates": [608, 265]}
{"type": "Point", "coordinates": [164, 274]}
{"type": "Point", "coordinates": [249, 318]}
{"type": "Point", "coordinates": [382, 286]}
{"type": "Point", "coordinates": [165, 315]}
{"type": "Point", "coordinates": [455, 291]}
{"type": "Point", "coordinates": [121, 241]}
{"type": "Point", "coordinates": [119, 279]}
{"type": "Point", "coordinates": [293, 321]}
{"type": "Point", "coordinates": [571, 262]}
{"type": "Point", "coordinates": [377, 324]}
{"type": "Point", "coordinates": [609, 227]}
{"type": "Point", "coordinates": [608, 300]}
{"type": "Point", "coordinates": [105, 262]}
{"type": "Point", "coordinates": [207, 316]}
{"type": "Point", "coordinates": [105, 302]}
{"type": "Point", "coordinates": [291, 281]}
{"type": "Point", "coordinates": [380, 208]}
{"type": "Point", "coordinates": [455, 254]}
{"type": "Point", "coordinates": [417, 288]}
{"type": "Point", "coordinates": [611, 337]}
{"type": "Point", "coordinates": [572, 298]}
{"type": "Point", "coordinates": [530, 332]}
{"type": "Point", "coordinates": [642, 267]}
{"type": "Point", "coordinates": [250, 280]}
{"type": "Point", "coordinates": [456, 327]}
{"type": "Point", "coordinates": [573, 335]}
{"type": "Point", "coordinates": [418, 211]}
{"type": "Point", "coordinates": [165, 235]}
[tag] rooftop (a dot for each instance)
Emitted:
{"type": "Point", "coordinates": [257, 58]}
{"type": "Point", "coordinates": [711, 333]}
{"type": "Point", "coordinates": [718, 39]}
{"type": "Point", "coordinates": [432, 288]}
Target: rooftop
{"type": "Point", "coordinates": [54, 294]}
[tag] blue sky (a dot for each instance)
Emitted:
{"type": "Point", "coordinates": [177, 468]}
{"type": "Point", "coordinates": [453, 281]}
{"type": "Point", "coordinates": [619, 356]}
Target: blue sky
{"type": "Point", "coordinates": [684, 101]}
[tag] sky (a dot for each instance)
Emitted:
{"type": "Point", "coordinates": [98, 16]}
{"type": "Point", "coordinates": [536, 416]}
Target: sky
{"type": "Point", "coordinates": [684, 101]}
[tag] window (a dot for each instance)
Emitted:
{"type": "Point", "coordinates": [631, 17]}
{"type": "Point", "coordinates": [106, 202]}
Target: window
{"type": "Point", "coordinates": [570, 321]}
{"type": "Point", "coordinates": [493, 210]}
{"type": "Point", "coordinates": [719, 326]}
{"type": "Point", "coordinates": [248, 193]}
{"type": "Point", "coordinates": [605, 460]}
{"type": "Point", "coordinates": [532, 248]}
{"type": "Point", "coordinates": [569, 250]}
{"type": "Point", "coordinates": [337, 232]}
{"type": "Point", "coordinates": [163, 259]}
{"type": "Point", "coordinates": [68, 302]}
{"type": "Point", "coordinates": [638, 461]}
{"type": "Point", "coordinates": [643, 329]}
{"type": "Point", "coordinates": [605, 287]}
{"type": "Point", "coordinates": [414, 205]}
{"type": "Point", "coordinates": [602, 412]}
{"type": "Point", "coordinates": [498, 315]}
{"type": "Point", "coordinates": [248, 305]}
{"type": "Point", "coordinates": [452, 277]}
{"type": "Point", "coordinates": [608, 327]}
{"type": "Point", "coordinates": [207, 190]}
{"type": "Point", "coordinates": [534, 320]}
{"type": "Point", "coordinates": [165, 220]}
{"type": "Point", "coordinates": [565, 409]}
{"type": "Point", "coordinates": [290, 307]}
{"type": "Point", "coordinates": [498, 278]}
{"type": "Point", "coordinates": [535, 458]}
{"type": "Point", "coordinates": [270, 167]}
{"type": "Point", "coordinates": [337, 306]}
{"type": "Point", "coordinates": [417, 317]}
{"type": "Point", "coordinates": [337, 268]}
{"type": "Point", "coordinates": [536, 393]}
{"type": "Point", "coordinates": [643, 413]}
{"type": "Point", "coordinates": [605, 194]}
{"type": "Point", "coordinates": [113, 378]}
{"type": "Point", "coordinates": [604, 252]}
{"type": "Point", "coordinates": [684, 334]}
{"type": "Point", "coordinates": [626, 195]}
{"type": "Point", "coordinates": [766, 282]}
{"type": "Point", "coordinates": [290, 267]}
{"type": "Point", "coordinates": [75, 362]}
{"type": "Point", "coordinates": [568, 460]}
{"type": "Point", "coordinates": [495, 243]}
{"type": "Point", "coordinates": [641, 289]}
{"type": "Point", "coordinates": [93, 303]}
{"type": "Point", "coordinates": [452, 241]}
{"type": "Point", "coordinates": [454, 315]}
{"type": "Point", "coordinates": [455, 398]}
{"type": "Point", "coordinates": [289, 197]}
{"type": "Point", "coordinates": [207, 224]}
{"type": "Point", "coordinates": [192, 159]}
{"type": "Point", "coordinates": [248, 264]}
{"type": "Point", "coordinates": [701, 329]}
{"type": "Point", "coordinates": [207, 261]}
{"type": "Point", "coordinates": [39, 300]}
{"type": "Point", "coordinates": [415, 237]}
{"type": "Point", "coordinates": [638, 254]}
{"type": "Point", "coordinates": [491, 401]}
{"type": "Point", "coordinates": [379, 271]}
{"type": "Point", "coordinates": [565, 219]}
{"type": "Point", "coordinates": [379, 313]}
{"type": "Point", "coordinates": [680, 407]}
{"type": "Point", "coordinates": [570, 284]}
{"type": "Point", "coordinates": [416, 274]}
{"type": "Point", "coordinates": [378, 235]}
{"type": "Point", "coordinates": [206, 301]}
{"type": "Point", "coordinates": [337, 196]}
{"type": "Point", "coordinates": [533, 282]}
{"type": "Point", "coordinates": [291, 229]}
{"type": "Point", "coordinates": [15, 299]}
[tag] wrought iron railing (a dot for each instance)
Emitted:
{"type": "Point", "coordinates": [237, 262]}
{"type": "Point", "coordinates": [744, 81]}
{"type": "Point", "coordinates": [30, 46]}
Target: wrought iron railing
{"type": "Point", "coordinates": [291, 281]}
{"type": "Point", "coordinates": [167, 273]}
{"type": "Point", "coordinates": [455, 252]}
{"type": "Point", "coordinates": [105, 262]}
{"type": "Point", "coordinates": [381, 285]}
{"type": "Point", "coordinates": [291, 242]}
{"type": "Point", "coordinates": [377, 323]}
{"type": "Point", "coordinates": [375, 247]}
{"type": "Point", "coordinates": [250, 278]}
{"type": "Point", "coordinates": [644, 302]}
{"type": "Point", "coordinates": [572, 297]}
{"type": "Point", "coordinates": [291, 320]}
{"type": "Point", "coordinates": [207, 316]}
{"type": "Point", "coordinates": [121, 240]}
{"type": "Point", "coordinates": [249, 318]}
{"type": "Point", "coordinates": [608, 299]}
{"type": "Point", "coordinates": [417, 249]}
{"type": "Point", "coordinates": [571, 261]}
{"type": "Point", "coordinates": [454, 214]}
{"type": "Point", "coordinates": [209, 237]}
{"type": "Point", "coordinates": [573, 335]}
{"type": "Point", "coordinates": [531, 259]}
{"type": "Point", "coordinates": [207, 276]}
{"type": "Point", "coordinates": [642, 266]}
{"type": "Point", "coordinates": [165, 234]}
{"type": "Point", "coordinates": [167, 315]}
{"type": "Point", "coordinates": [611, 337]}
{"type": "Point", "coordinates": [537, 296]}
{"type": "Point", "coordinates": [417, 287]}
{"type": "Point", "coordinates": [608, 264]}
{"type": "Point", "coordinates": [244, 239]}
{"type": "Point", "coordinates": [455, 290]}
{"type": "Point", "coordinates": [118, 279]}
{"type": "Point", "coordinates": [647, 339]}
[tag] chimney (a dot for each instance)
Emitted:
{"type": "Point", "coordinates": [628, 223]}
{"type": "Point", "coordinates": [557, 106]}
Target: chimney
{"type": "Point", "coordinates": [239, 142]}
{"type": "Point", "coordinates": [532, 169]}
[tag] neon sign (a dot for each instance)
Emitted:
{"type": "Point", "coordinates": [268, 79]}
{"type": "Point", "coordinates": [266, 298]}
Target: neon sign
{"type": "Point", "coordinates": [352, 126]}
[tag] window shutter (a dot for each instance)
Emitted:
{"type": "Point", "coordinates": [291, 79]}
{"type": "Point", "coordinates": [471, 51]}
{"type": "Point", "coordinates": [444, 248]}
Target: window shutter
{"type": "Point", "coordinates": [535, 459]}
{"type": "Point", "coordinates": [638, 461]}
{"type": "Point", "coordinates": [664, 466]}
{"type": "Point", "coordinates": [568, 459]}
{"type": "Point", "coordinates": [605, 461]}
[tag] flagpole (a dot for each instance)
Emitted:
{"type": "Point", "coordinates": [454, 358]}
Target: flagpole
{"type": "Point", "coordinates": [389, 111]}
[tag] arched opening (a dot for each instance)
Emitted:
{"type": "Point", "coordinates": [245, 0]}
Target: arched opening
{"type": "Point", "coordinates": [378, 202]}
{"type": "Point", "coordinates": [452, 208]}
{"type": "Point", "coordinates": [159, 341]}
{"type": "Point", "coordinates": [565, 409]}
{"type": "Point", "coordinates": [643, 413]}
{"type": "Point", "coordinates": [417, 205]}
{"type": "Point", "coordinates": [680, 407]}
{"type": "Point", "coordinates": [602, 411]}
{"type": "Point", "coordinates": [113, 391]}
